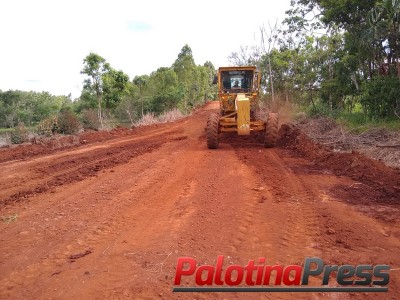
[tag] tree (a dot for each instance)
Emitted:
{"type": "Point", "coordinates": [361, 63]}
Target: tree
{"type": "Point", "coordinates": [311, 15]}
{"type": "Point", "coordinates": [165, 90]}
{"type": "Point", "coordinates": [245, 56]}
{"type": "Point", "coordinates": [29, 107]}
{"type": "Point", "coordinates": [115, 87]}
{"type": "Point", "coordinates": [384, 29]}
{"type": "Point", "coordinates": [141, 82]}
{"type": "Point", "coordinates": [95, 67]}
{"type": "Point", "coordinates": [268, 40]}
{"type": "Point", "coordinates": [184, 67]}
{"type": "Point", "coordinates": [211, 89]}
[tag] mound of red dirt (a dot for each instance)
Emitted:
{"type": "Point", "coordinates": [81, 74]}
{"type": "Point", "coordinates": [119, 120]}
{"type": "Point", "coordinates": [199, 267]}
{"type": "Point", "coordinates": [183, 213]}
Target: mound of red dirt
{"type": "Point", "coordinates": [43, 145]}
{"type": "Point", "coordinates": [354, 165]}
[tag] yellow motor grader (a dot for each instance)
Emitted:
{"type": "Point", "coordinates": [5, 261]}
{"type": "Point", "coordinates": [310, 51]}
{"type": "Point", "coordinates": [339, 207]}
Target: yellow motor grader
{"type": "Point", "coordinates": [238, 95]}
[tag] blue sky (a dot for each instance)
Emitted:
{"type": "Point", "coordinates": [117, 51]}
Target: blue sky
{"type": "Point", "coordinates": [43, 42]}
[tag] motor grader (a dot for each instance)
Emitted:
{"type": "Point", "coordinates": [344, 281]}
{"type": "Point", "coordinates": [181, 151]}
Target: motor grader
{"type": "Point", "coordinates": [238, 95]}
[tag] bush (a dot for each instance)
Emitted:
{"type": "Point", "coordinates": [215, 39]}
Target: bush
{"type": "Point", "coordinates": [322, 110]}
{"type": "Point", "coordinates": [90, 119]}
{"type": "Point", "coordinates": [147, 119]}
{"type": "Point", "coordinates": [48, 126]}
{"type": "Point", "coordinates": [168, 116]}
{"type": "Point", "coordinates": [381, 97]}
{"type": "Point", "coordinates": [68, 122]}
{"type": "Point", "coordinates": [171, 115]}
{"type": "Point", "coordinates": [19, 135]}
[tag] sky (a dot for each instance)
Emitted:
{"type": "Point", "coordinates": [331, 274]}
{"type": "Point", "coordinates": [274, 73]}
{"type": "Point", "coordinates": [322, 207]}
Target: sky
{"type": "Point", "coordinates": [43, 43]}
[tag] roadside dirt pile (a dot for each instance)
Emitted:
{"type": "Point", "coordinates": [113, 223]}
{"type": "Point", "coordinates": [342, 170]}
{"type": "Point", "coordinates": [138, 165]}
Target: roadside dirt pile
{"type": "Point", "coordinates": [47, 145]}
{"type": "Point", "coordinates": [41, 146]}
{"type": "Point", "coordinates": [376, 143]}
{"type": "Point", "coordinates": [354, 164]}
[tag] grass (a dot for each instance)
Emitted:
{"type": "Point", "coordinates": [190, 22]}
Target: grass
{"type": "Point", "coordinates": [360, 123]}
{"type": "Point", "coordinates": [5, 130]}
{"type": "Point", "coordinates": [10, 218]}
{"type": "Point", "coordinates": [168, 116]}
{"type": "Point", "coordinates": [8, 130]}
{"type": "Point", "coordinates": [356, 121]}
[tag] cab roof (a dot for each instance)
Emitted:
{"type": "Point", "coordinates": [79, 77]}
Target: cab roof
{"type": "Point", "coordinates": [242, 68]}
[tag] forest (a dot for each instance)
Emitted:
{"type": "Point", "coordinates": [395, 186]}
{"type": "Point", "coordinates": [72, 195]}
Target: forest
{"type": "Point", "coordinates": [337, 57]}
{"type": "Point", "coordinates": [110, 97]}
{"type": "Point", "coordinates": [328, 57]}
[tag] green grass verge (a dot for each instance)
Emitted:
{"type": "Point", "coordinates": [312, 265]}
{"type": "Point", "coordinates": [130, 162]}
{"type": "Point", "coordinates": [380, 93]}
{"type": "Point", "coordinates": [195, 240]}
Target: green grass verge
{"type": "Point", "coordinates": [356, 121]}
{"type": "Point", "coordinates": [5, 130]}
{"type": "Point", "coordinates": [360, 123]}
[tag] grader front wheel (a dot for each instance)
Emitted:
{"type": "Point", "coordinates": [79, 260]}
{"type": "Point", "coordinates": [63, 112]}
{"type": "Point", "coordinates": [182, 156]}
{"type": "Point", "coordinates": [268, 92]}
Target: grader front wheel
{"type": "Point", "coordinates": [212, 131]}
{"type": "Point", "coordinates": [271, 130]}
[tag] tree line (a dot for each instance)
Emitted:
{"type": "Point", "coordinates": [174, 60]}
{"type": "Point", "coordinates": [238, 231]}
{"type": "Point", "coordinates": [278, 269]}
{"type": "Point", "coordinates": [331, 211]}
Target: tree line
{"type": "Point", "coordinates": [327, 54]}
{"type": "Point", "coordinates": [110, 94]}
{"type": "Point", "coordinates": [333, 54]}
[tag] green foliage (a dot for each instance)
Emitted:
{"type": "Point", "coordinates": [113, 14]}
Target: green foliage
{"type": "Point", "coordinates": [104, 86]}
{"type": "Point", "coordinates": [20, 134]}
{"type": "Point", "coordinates": [321, 109]}
{"type": "Point", "coordinates": [142, 85]}
{"type": "Point", "coordinates": [165, 89]}
{"type": "Point", "coordinates": [353, 68]}
{"type": "Point", "coordinates": [29, 107]}
{"type": "Point", "coordinates": [354, 119]}
{"type": "Point", "coordinates": [195, 82]}
{"type": "Point", "coordinates": [95, 67]}
{"type": "Point", "coordinates": [115, 87]}
{"type": "Point", "coordinates": [184, 86]}
{"type": "Point", "coordinates": [381, 97]}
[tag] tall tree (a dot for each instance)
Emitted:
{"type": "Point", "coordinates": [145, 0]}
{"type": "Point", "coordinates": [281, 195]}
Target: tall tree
{"type": "Point", "coordinates": [184, 67]}
{"type": "Point", "coordinates": [141, 82]}
{"type": "Point", "coordinates": [269, 38]}
{"type": "Point", "coordinates": [165, 90]}
{"type": "Point", "coordinates": [95, 67]}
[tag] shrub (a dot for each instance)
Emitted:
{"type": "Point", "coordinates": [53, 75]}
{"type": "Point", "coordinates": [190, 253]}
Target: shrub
{"type": "Point", "coordinates": [68, 122]}
{"type": "Point", "coordinates": [48, 126]}
{"type": "Point", "coordinates": [171, 115]}
{"type": "Point", "coordinates": [381, 97]}
{"type": "Point", "coordinates": [90, 119]}
{"type": "Point", "coordinates": [147, 119]}
{"type": "Point", "coordinates": [19, 135]}
{"type": "Point", "coordinates": [168, 116]}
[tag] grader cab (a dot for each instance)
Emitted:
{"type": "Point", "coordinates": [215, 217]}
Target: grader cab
{"type": "Point", "coordinates": [238, 95]}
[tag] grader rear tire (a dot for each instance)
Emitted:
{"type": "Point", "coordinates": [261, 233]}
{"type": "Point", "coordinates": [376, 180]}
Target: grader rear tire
{"type": "Point", "coordinates": [271, 130]}
{"type": "Point", "coordinates": [212, 131]}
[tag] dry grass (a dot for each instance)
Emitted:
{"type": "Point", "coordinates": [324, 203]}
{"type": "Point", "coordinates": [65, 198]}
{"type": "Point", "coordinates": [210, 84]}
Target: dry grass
{"type": "Point", "coordinates": [171, 115]}
{"type": "Point", "coordinates": [168, 116]}
{"type": "Point", "coordinates": [376, 143]}
{"type": "Point", "coordinates": [147, 119]}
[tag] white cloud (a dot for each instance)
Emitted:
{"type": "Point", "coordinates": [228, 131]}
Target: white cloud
{"type": "Point", "coordinates": [44, 42]}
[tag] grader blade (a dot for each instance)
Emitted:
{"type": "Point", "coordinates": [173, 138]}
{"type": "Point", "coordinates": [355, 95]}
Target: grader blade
{"type": "Point", "coordinates": [243, 114]}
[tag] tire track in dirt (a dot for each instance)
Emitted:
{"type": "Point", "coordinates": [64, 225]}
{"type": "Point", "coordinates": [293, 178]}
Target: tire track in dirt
{"type": "Point", "coordinates": [64, 170]}
{"type": "Point", "coordinates": [149, 176]}
{"type": "Point", "coordinates": [149, 183]}
{"type": "Point", "coordinates": [310, 221]}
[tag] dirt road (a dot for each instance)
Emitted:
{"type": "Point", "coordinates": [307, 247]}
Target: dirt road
{"type": "Point", "coordinates": [109, 220]}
